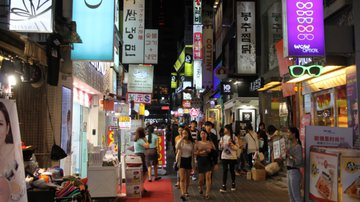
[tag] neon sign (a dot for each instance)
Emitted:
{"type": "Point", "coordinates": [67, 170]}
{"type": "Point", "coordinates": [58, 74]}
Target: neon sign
{"type": "Point", "coordinates": [299, 70]}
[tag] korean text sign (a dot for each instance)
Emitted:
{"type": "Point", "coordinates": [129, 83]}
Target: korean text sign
{"type": "Point", "coordinates": [95, 25]}
{"type": "Point", "coordinates": [133, 31]}
{"type": "Point", "coordinates": [151, 46]}
{"type": "Point", "coordinates": [304, 28]}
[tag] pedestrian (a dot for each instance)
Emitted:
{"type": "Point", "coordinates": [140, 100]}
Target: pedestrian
{"type": "Point", "coordinates": [252, 143]}
{"type": "Point", "coordinates": [185, 158]}
{"type": "Point", "coordinates": [151, 154]}
{"type": "Point", "coordinates": [140, 144]}
{"type": "Point", "coordinates": [213, 138]}
{"type": "Point", "coordinates": [177, 139]}
{"type": "Point", "coordinates": [263, 140]}
{"type": "Point", "coordinates": [203, 148]}
{"type": "Point", "coordinates": [195, 136]}
{"type": "Point", "coordinates": [294, 161]}
{"type": "Point", "coordinates": [240, 166]}
{"type": "Point", "coordinates": [229, 146]}
{"type": "Point", "coordinates": [174, 134]}
{"type": "Point", "coordinates": [273, 134]}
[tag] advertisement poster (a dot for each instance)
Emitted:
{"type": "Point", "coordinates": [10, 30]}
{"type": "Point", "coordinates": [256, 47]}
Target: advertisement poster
{"type": "Point", "coordinates": [324, 176]}
{"type": "Point", "coordinates": [66, 133]}
{"type": "Point", "coordinates": [326, 137]}
{"type": "Point", "coordinates": [12, 172]}
{"type": "Point", "coordinates": [140, 78]}
{"type": "Point", "coordinates": [351, 93]}
{"type": "Point", "coordinates": [350, 178]}
{"type": "Point", "coordinates": [276, 149]}
{"type": "Point", "coordinates": [162, 145]}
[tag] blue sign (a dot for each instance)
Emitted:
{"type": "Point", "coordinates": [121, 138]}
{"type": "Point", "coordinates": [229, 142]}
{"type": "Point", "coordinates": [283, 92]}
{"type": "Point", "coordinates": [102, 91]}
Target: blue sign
{"type": "Point", "coordinates": [95, 25]}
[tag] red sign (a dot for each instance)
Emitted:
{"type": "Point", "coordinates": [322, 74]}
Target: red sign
{"type": "Point", "coordinates": [165, 108]}
{"type": "Point", "coordinates": [186, 103]}
{"type": "Point", "coordinates": [162, 148]}
{"type": "Point", "coordinates": [82, 97]}
{"type": "Point", "coordinates": [198, 40]}
{"type": "Point", "coordinates": [139, 98]}
{"type": "Point", "coordinates": [194, 112]}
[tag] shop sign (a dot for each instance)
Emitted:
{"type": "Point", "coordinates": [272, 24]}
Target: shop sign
{"type": "Point", "coordinates": [208, 14]}
{"type": "Point", "coordinates": [299, 70]}
{"type": "Point", "coordinates": [283, 62]}
{"type": "Point", "coordinates": [246, 40]}
{"type": "Point", "coordinates": [188, 65]}
{"type": "Point", "coordinates": [186, 103]}
{"type": "Point", "coordinates": [162, 148]}
{"type": "Point", "coordinates": [165, 108]}
{"type": "Point", "coordinates": [197, 12]}
{"type": "Point", "coordinates": [218, 30]}
{"type": "Point", "coordinates": [325, 137]}
{"type": "Point", "coordinates": [12, 180]}
{"type": "Point", "coordinates": [187, 96]}
{"type": "Point", "coordinates": [194, 112]}
{"type": "Point", "coordinates": [28, 16]}
{"type": "Point", "coordinates": [197, 43]}
{"type": "Point", "coordinates": [124, 122]}
{"type": "Point", "coordinates": [174, 80]}
{"type": "Point", "coordinates": [257, 84]}
{"type": "Point", "coordinates": [133, 31]}
{"type": "Point", "coordinates": [151, 46]}
{"type": "Point", "coordinates": [82, 97]}
{"type": "Point", "coordinates": [198, 74]}
{"type": "Point", "coordinates": [139, 98]}
{"type": "Point", "coordinates": [100, 66]}
{"type": "Point", "coordinates": [140, 78]}
{"type": "Point", "coordinates": [323, 176]}
{"type": "Point", "coordinates": [274, 32]}
{"type": "Point", "coordinates": [186, 111]}
{"type": "Point", "coordinates": [350, 176]}
{"type": "Point", "coordinates": [353, 104]}
{"type": "Point", "coordinates": [95, 26]}
{"type": "Point", "coordinates": [304, 28]}
{"type": "Point", "coordinates": [208, 56]}
{"type": "Point", "coordinates": [226, 88]}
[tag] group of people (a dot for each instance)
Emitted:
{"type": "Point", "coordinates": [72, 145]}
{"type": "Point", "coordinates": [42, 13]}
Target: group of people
{"type": "Point", "coordinates": [197, 152]}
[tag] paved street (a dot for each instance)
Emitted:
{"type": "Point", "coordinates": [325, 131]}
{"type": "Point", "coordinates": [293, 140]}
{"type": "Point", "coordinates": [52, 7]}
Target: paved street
{"type": "Point", "coordinates": [246, 190]}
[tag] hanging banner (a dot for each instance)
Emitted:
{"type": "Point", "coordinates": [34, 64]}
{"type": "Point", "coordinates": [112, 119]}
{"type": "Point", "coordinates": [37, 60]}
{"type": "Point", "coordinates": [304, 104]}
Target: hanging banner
{"type": "Point", "coordinates": [151, 46]}
{"type": "Point", "coordinates": [197, 12]}
{"type": "Point", "coordinates": [133, 31]}
{"type": "Point", "coordinates": [162, 148]}
{"type": "Point", "coordinates": [197, 74]}
{"type": "Point", "coordinates": [303, 28]}
{"type": "Point", "coordinates": [208, 56]}
{"type": "Point", "coordinates": [12, 171]}
{"type": "Point", "coordinates": [174, 80]}
{"type": "Point", "coordinates": [246, 40]}
{"type": "Point", "coordinates": [188, 65]}
{"type": "Point", "coordinates": [29, 16]}
{"type": "Point", "coordinates": [197, 43]}
{"type": "Point", "coordinates": [274, 32]}
{"type": "Point", "coordinates": [95, 26]}
{"type": "Point", "coordinates": [283, 62]}
{"type": "Point", "coordinates": [140, 78]}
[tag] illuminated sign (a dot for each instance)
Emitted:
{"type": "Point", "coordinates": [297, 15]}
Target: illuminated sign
{"type": "Point", "coordinates": [173, 80]}
{"type": "Point", "coordinates": [197, 74]}
{"type": "Point", "coordinates": [208, 56]}
{"type": "Point", "coordinates": [197, 12]}
{"type": "Point", "coordinates": [226, 88]}
{"type": "Point", "coordinates": [257, 84]}
{"type": "Point", "coordinates": [31, 16]}
{"type": "Point", "coordinates": [197, 42]}
{"type": "Point", "coordinates": [188, 65]}
{"type": "Point", "coordinates": [140, 78]}
{"type": "Point", "coordinates": [151, 46]}
{"type": "Point", "coordinates": [139, 98]}
{"type": "Point", "coordinates": [304, 28]}
{"type": "Point", "coordinates": [95, 25]}
{"type": "Point", "coordinates": [298, 70]}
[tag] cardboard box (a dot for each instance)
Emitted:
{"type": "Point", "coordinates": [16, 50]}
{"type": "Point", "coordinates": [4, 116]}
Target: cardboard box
{"type": "Point", "coordinates": [133, 191]}
{"type": "Point", "coordinates": [133, 175]}
{"type": "Point", "coordinates": [258, 174]}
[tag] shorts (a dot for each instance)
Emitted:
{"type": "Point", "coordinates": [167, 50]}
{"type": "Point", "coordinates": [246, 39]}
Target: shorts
{"type": "Point", "coordinates": [185, 163]}
{"type": "Point", "coordinates": [151, 157]}
{"type": "Point", "coordinates": [142, 155]}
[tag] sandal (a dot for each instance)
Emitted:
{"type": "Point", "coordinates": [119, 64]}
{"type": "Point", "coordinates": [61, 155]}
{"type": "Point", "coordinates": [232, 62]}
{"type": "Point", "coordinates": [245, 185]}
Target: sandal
{"type": "Point", "coordinates": [207, 197]}
{"type": "Point", "coordinates": [201, 192]}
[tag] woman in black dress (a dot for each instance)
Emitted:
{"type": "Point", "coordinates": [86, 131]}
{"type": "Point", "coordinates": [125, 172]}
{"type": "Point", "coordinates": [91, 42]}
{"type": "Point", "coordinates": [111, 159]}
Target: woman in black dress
{"type": "Point", "coordinates": [202, 151]}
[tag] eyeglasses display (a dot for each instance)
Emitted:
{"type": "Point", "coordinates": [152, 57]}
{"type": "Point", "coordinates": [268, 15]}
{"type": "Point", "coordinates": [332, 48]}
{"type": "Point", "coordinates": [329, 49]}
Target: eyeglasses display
{"type": "Point", "coordinates": [299, 70]}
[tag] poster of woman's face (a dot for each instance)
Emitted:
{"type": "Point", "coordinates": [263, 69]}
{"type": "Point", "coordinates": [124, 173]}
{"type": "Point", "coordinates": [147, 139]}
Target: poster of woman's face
{"type": "Point", "coordinates": [12, 173]}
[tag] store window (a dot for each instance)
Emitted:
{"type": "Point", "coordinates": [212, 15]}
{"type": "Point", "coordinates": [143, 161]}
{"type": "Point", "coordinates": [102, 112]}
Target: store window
{"type": "Point", "coordinates": [341, 107]}
{"type": "Point", "coordinates": [324, 114]}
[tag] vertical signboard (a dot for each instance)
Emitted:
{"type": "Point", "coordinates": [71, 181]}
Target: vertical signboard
{"type": "Point", "coordinates": [95, 25]}
{"type": "Point", "coordinates": [274, 32]}
{"type": "Point", "coordinates": [140, 78]}
{"type": "Point", "coordinates": [208, 56]}
{"type": "Point", "coordinates": [353, 104]}
{"type": "Point", "coordinates": [29, 16]}
{"type": "Point", "coordinates": [197, 43]}
{"type": "Point", "coordinates": [197, 12]}
{"type": "Point", "coordinates": [303, 28]}
{"type": "Point", "coordinates": [198, 74]}
{"type": "Point", "coordinates": [133, 31]}
{"type": "Point", "coordinates": [174, 80]}
{"type": "Point", "coordinates": [246, 39]}
{"type": "Point", "coordinates": [218, 30]}
{"type": "Point", "coordinates": [151, 46]}
{"type": "Point", "coordinates": [188, 65]}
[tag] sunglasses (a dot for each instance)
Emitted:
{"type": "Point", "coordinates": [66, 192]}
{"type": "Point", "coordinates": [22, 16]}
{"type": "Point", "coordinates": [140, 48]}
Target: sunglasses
{"type": "Point", "coordinates": [298, 70]}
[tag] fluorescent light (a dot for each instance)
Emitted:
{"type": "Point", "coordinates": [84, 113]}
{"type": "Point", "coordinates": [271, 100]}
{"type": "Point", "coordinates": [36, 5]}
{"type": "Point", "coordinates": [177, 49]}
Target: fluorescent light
{"type": "Point", "coordinates": [11, 80]}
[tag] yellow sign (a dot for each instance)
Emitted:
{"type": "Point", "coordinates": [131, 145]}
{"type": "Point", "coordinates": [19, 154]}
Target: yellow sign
{"type": "Point", "coordinates": [124, 119]}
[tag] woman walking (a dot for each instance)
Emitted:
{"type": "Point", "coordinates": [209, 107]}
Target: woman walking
{"type": "Point", "coordinates": [151, 154]}
{"type": "Point", "coordinates": [140, 145]}
{"type": "Point", "coordinates": [294, 161]}
{"type": "Point", "coordinates": [252, 144]}
{"type": "Point", "coordinates": [185, 156]}
{"type": "Point", "coordinates": [202, 150]}
{"type": "Point", "coordinates": [229, 146]}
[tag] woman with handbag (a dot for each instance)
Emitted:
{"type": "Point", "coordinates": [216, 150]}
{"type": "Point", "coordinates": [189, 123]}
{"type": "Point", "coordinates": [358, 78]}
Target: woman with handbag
{"type": "Point", "coordinates": [252, 144]}
{"type": "Point", "coordinates": [229, 146]}
{"type": "Point", "coordinates": [151, 154]}
{"type": "Point", "coordinates": [203, 149]}
{"type": "Point", "coordinates": [185, 160]}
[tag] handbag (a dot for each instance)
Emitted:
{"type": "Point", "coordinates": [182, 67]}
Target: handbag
{"type": "Point", "coordinates": [57, 153]}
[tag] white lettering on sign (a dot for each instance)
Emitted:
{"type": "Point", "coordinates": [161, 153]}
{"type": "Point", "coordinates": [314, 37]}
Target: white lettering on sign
{"type": "Point", "coordinates": [99, 66]}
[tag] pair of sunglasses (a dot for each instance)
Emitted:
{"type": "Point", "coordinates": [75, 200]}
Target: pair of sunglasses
{"type": "Point", "coordinates": [299, 70]}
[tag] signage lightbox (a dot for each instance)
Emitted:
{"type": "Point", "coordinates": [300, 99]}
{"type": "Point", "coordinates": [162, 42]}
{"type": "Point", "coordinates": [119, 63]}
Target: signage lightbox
{"type": "Point", "coordinates": [226, 88]}
{"type": "Point", "coordinates": [197, 74]}
{"type": "Point", "coordinates": [133, 31]}
{"type": "Point", "coordinates": [303, 28]}
{"type": "Point", "coordinates": [151, 46]}
{"type": "Point", "coordinates": [95, 25]}
{"type": "Point", "coordinates": [140, 78]}
{"type": "Point", "coordinates": [29, 16]}
{"type": "Point", "coordinates": [208, 56]}
{"type": "Point", "coordinates": [197, 12]}
{"type": "Point", "coordinates": [197, 43]}
{"type": "Point", "coordinates": [139, 98]}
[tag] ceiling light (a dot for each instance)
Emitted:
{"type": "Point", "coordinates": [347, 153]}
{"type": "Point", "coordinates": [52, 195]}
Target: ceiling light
{"type": "Point", "coordinates": [11, 80]}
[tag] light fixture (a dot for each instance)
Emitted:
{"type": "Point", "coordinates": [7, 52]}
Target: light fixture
{"type": "Point", "coordinates": [269, 85]}
{"type": "Point", "coordinates": [146, 113]}
{"type": "Point", "coordinates": [12, 80]}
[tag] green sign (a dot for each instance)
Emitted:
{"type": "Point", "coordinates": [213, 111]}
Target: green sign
{"type": "Point", "coordinates": [299, 70]}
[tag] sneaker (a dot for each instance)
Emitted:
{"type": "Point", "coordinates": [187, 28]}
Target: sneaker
{"type": "Point", "coordinates": [223, 189]}
{"type": "Point", "coordinates": [183, 198]}
{"type": "Point", "coordinates": [194, 178]}
{"type": "Point", "coordinates": [233, 187]}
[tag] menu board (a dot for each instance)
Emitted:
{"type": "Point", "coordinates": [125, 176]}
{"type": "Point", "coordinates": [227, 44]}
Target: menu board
{"type": "Point", "coordinates": [323, 176]}
{"type": "Point", "coordinates": [350, 178]}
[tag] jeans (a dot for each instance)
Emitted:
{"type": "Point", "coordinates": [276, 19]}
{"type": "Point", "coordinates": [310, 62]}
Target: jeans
{"type": "Point", "coordinates": [241, 162]}
{"type": "Point", "coordinates": [249, 159]}
{"type": "Point", "coordinates": [226, 164]}
{"type": "Point", "coordinates": [294, 180]}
